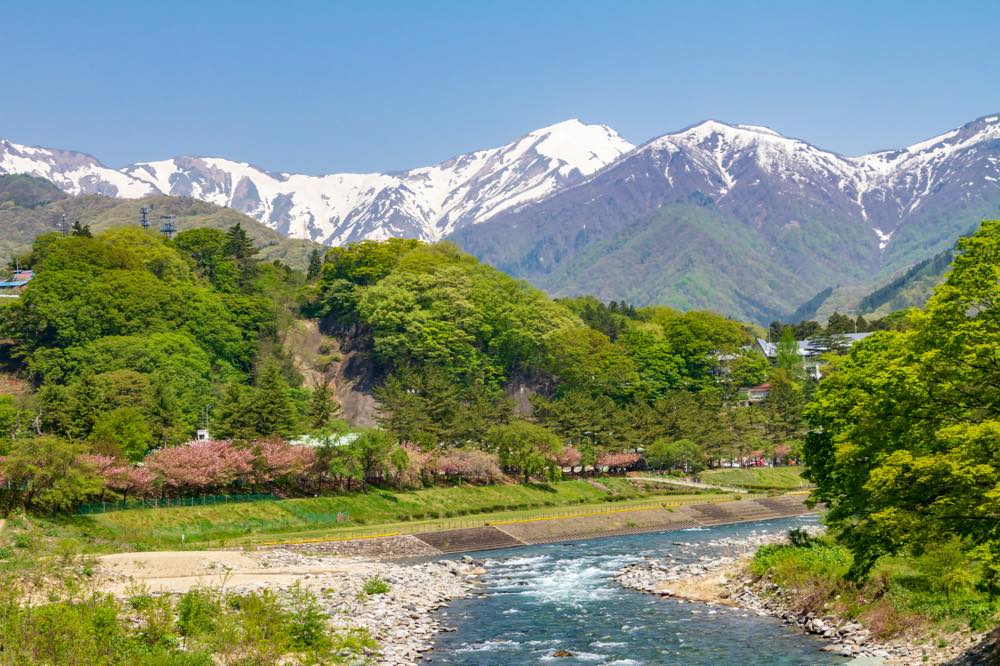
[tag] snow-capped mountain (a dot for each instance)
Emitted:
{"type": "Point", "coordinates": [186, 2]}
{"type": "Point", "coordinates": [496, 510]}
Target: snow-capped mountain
{"type": "Point", "coordinates": [746, 163]}
{"type": "Point", "coordinates": [73, 172]}
{"type": "Point", "coordinates": [426, 203]}
{"type": "Point", "coordinates": [746, 217]}
{"type": "Point", "coordinates": [730, 217]}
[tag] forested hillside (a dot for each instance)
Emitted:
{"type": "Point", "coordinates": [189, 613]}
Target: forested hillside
{"type": "Point", "coordinates": [31, 206]}
{"type": "Point", "coordinates": [131, 342]}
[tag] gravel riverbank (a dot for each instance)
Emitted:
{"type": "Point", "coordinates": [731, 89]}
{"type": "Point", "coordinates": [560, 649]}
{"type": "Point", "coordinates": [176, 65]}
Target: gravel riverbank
{"type": "Point", "coordinates": [725, 580]}
{"type": "Point", "coordinates": [400, 619]}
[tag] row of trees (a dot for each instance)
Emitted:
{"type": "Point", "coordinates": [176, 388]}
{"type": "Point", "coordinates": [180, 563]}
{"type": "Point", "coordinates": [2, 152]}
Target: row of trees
{"type": "Point", "coordinates": [52, 474]}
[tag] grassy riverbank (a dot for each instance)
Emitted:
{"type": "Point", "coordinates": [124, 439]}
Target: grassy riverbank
{"type": "Point", "coordinates": [757, 478]}
{"type": "Point", "coordinates": [376, 512]}
{"type": "Point", "coordinates": [936, 594]}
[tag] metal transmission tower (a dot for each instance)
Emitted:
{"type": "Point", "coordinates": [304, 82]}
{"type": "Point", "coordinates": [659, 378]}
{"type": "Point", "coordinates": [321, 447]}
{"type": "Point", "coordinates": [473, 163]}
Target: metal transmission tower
{"type": "Point", "coordinates": [63, 227]}
{"type": "Point", "coordinates": [144, 211]}
{"type": "Point", "coordinates": [167, 227]}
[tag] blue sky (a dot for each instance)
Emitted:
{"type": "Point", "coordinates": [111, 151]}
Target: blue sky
{"type": "Point", "coordinates": [318, 87]}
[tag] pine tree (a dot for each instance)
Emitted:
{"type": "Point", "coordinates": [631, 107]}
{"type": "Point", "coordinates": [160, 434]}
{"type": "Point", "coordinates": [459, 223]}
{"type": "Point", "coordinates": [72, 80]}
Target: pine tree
{"type": "Point", "coordinates": [239, 245]}
{"type": "Point", "coordinates": [322, 407]}
{"type": "Point", "coordinates": [166, 418]}
{"type": "Point", "coordinates": [271, 407]}
{"type": "Point", "coordinates": [315, 264]}
{"type": "Point", "coordinates": [232, 417]}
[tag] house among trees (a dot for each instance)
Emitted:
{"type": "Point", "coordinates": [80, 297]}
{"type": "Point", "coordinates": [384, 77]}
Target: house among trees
{"type": "Point", "coordinates": [812, 349]}
{"type": "Point", "coordinates": [755, 394]}
{"type": "Point", "coordinates": [12, 288]}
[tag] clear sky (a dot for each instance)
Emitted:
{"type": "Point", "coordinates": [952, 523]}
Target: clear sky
{"type": "Point", "coordinates": [318, 87]}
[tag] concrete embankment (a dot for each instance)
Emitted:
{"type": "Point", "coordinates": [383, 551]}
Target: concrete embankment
{"type": "Point", "coordinates": [566, 528]}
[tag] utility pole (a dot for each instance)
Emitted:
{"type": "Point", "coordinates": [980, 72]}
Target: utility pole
{"type": "Point", "coordinates": [144, 211]}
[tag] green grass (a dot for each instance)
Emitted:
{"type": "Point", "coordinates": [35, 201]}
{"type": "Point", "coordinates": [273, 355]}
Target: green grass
{"type": "Point", "coordinates": [934, 594]}
{"type": "Point", "coordinates": [757, 478]}
{"type": "Point", "coordinates": [376, 512]}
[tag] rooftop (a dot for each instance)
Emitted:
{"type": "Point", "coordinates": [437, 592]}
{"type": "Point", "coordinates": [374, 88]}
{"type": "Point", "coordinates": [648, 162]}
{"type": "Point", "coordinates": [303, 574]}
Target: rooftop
{"type": "Point", "coordinates": [810, 347]}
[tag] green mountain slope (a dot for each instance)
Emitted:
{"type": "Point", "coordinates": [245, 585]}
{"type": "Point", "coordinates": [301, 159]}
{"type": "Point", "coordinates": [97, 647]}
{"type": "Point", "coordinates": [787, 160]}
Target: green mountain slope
{"type": "Point", "coordinates": [27, 191]}
{"type": "Point", "coordinates": [693, 257]}
{"type": "Point", "coordinates": [25, 213]}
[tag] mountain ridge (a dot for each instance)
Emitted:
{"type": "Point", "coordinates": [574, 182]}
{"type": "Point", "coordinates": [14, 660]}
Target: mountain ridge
{"type": "Point", "coordinates": [831, 220]}
{"type": "Point", "coordinates": [567, 192]}
{"type": "Point", "coordinates": [423, 202]}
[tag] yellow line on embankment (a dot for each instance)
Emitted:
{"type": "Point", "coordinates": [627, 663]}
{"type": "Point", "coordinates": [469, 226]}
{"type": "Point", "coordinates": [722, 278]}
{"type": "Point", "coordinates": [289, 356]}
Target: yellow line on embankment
{"type": "Point", "coordinates": [577, 515]}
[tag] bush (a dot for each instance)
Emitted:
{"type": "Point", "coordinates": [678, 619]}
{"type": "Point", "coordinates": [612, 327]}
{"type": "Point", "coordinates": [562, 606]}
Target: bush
{"type": "Point", "coordinates": [198, 611]}
{"type": "Point", "coordinates": [375, 585]}
{"type": "Point", "coordinates": [308, 622]}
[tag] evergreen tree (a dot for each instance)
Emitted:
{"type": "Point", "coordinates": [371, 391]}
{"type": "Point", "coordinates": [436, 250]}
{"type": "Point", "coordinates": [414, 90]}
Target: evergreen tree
{"type": "Point", "coordinates": [315, 264]}
{"type": "Point", "coordinates": [81, 230]}
{"type": "Point", "coordinates": [783, 409]}
{"type": "Point", "coordinates": [233, 417]}
{"type": "Point", "coordinates": [165, 415]}
{"type": "Point", "coordinates": [240, 247]}
{"type": "Point", "coordinates": [271, 407]}
{"type": "Point", "coordinates": [322, 407]}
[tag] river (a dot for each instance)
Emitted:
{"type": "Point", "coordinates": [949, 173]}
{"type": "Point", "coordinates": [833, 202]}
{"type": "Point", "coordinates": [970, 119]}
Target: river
{"type": "Point", "coordinates": [540, 599]}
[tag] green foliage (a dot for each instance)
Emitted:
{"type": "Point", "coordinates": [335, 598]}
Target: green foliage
{"type": "Point", "coordinates": [124, 430]}
{"type": "Point", "coordinates": [526, 447]}
{"type": "Point", "coordinates": [788, 357]}
{"type": "Point", "coordinates": [375, 585]}
{"type": "Point", "coordinates": [315, 265]}
{"type": "Point", "coordinates": [426, 406]}
{"type": "Point", "coordinates": [198, 612]}
{"type": "Point", "coordinates": [322, 407]}
{"type": "Point", "coordinates": [903, 437]}
{"type": "Point", "coordinates": [667, 454]}
{"type": "Point", "coordinates": [905, 593]}
{"type": "Point", "coordinates": [44, 474]}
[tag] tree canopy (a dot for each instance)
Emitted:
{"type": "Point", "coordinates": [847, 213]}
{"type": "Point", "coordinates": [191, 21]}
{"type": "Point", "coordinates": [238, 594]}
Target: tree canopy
{"type": "Point", "coordinates": [903, 446]}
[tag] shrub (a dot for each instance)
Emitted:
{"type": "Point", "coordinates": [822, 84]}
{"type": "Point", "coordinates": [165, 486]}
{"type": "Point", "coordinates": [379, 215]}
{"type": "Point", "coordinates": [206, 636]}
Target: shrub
{"type": "Point", "coordinates": [308, 621]}
{"type": "Point", "coordinates": [375, 585]}
{"type": "Point", "coordinates": [198, 611]}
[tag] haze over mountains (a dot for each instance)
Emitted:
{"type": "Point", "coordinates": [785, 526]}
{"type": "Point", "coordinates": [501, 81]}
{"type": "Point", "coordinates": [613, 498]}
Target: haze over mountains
{"type": "Point", "coordinates": [736, 218]}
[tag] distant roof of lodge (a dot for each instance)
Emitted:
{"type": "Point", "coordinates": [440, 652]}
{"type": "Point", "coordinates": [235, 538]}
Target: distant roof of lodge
{"type": "Point", "coordinates": [810, 347]}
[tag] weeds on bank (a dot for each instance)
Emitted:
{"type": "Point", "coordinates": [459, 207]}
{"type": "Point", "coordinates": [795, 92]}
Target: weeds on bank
{"type": "Point", "coordinates": [939, 589]}
{"type": "Point", "coordinates": [373, 585]}
{"type": "Point", "coordinates": [52, 613]}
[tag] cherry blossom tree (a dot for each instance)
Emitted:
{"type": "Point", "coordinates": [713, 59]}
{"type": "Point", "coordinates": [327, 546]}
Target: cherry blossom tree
{"type": "Point", "coordinates": [569, 456]}
{"type": "Point", "coordinates": [469, 465]}
{"type": "Point", "coordinates": [280, 463]}
{"type": "Point", "coordinates": [617, 461]}
{"type": "Point", "coordinates": [198, 466]}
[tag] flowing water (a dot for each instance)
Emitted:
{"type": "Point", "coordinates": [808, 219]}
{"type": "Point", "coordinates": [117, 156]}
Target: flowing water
{"type": "Point", "coordinates": [540, 599]}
